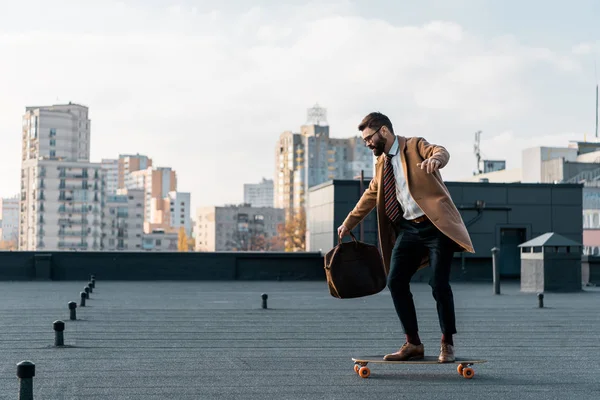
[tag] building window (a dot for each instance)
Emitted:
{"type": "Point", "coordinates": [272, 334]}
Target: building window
{"type": "Point", "coordinates": [52, 132]}
{"type": "Point", "coordinates": [52, 153]}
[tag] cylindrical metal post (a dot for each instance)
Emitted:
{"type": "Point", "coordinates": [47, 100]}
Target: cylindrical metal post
{"type": "Point", "coordinates": [91, 287]}
{"type": "Point", "coordinates": [59, 339]}
{"type": "Point", "coordinates": [496, 270]}
{"type": "Point", "coordinates": [87, 292]}
{"type": "Point", "coordinates": [72, 309]}
{"type": "Point", "coordinates": [83, 297]}
{"type": "Point", "coordinates": [25, 373]}
{"type": "Point", "coordinates": [264, 300]}
{"type": "Point", "coordinates": [540, 297]}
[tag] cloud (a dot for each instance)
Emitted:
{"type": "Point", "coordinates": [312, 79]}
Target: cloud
{"type": "Point", "coordinates": [208, 92]}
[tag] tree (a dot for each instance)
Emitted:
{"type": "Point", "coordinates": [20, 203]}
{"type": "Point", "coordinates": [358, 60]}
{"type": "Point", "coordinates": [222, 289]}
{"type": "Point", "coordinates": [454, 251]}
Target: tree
{"type": "Point", "coordinates": [182, 240]}
{"type": "Point", "coordinates": [293, 232]}
{"type": "Point", "coordinates": [8, 245]}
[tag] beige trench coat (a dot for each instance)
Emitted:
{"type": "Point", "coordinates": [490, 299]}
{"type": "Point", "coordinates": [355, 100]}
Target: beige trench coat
{"type": "Point", "coordinates": [428, 191]}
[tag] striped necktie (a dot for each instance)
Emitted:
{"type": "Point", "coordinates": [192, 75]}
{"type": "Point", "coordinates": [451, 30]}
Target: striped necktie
{"type": "Point", "coordinates": [392, 207]}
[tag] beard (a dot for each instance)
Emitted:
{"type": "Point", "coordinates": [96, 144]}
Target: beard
{"type": "Point", "coordinates": [378, 147]}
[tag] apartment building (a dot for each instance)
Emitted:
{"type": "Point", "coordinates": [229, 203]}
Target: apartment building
{"type": "Point", "coordinates": [124, 221]}
{"type": "Point", "coordinates": [129, 163]}
{"type": "Point", "coordinates": [159, 240]}
{"type": "Point", "coordinates": [312, 157]}
{"type": "Point", "coordinates": [111, 173]}
{"type": "Point", "coordinates": [238, 227]}
{"type": "Point", "coordinates": [9, 219]}
{"type": "Point", "coordinates": [259, 194]}
{"type": "Point", "coordinates": [171, 213]}
{"type": "Point", "coordinates": [62, 193]}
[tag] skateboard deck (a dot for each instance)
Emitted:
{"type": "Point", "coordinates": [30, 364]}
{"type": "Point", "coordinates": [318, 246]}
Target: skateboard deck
{"type": "Point", "coordinates": [464, 364]}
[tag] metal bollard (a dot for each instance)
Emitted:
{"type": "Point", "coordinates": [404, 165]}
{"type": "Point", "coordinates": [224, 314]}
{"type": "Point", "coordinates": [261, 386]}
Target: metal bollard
{"type": "Point", "coordinates": [540, 297]}
{"type": "Point", "coordinates": [93, 281]}
{"type": "Point", "coordinates": [496, 270]}
{"type": "Point", "coordinates": [25, 373]}
{"type": "Point", "coordinates": [59, 339]}
{"type": "Point", "coordinates": [87, 292]}
{"type": "Point", "coordinates": [92, 277]}
{"type": "Point", "coordinates": [264, 300]}
{"type": "Point", "coordinates": [90, 287]}
{"type": "Point", "coordinates": [83, 295]}
{"type": "Point", "coordinates": [72, 308]}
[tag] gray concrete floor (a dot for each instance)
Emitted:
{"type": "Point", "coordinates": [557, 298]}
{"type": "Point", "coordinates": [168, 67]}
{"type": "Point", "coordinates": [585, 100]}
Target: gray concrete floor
{"type": "Point", "coordinates": [212, 340]}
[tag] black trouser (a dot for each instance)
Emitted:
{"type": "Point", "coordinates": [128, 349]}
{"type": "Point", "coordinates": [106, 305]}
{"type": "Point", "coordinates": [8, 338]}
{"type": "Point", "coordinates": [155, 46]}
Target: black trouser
{"type": "Point", "coordinates": [412, 242]}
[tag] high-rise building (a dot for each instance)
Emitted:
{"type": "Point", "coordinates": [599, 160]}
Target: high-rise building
{"type": "Point", "coordinates": [124, 220]}
{"type": "Point", "coordinates": [259, 194]}
{"type": "Point", "coordinates": [129, 163]}
{"type": "Point", "coordinates": [61, 191]}
{"type": "Point", "coordinates": [111, 172]}
{"type": "Point", "coordinates": [313, 157]}
{"type": "Point", "coordinates": [61, 205]}
{"type": "Point", "coordinates": [60, 132]}
{"type": "Point", "coordinates": [288, 164]}
{"type": "Point", "coordinates": [9, 220]}
{"type": "Point", "coordinates": [238, 227]}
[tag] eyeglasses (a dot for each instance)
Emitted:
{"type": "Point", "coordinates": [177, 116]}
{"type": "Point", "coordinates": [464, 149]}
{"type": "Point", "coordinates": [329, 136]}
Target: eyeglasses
{"type": "Point", "coordinates": [368, 138]}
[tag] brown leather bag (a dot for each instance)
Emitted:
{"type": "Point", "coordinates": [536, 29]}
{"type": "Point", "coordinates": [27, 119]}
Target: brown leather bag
{"type": "Point", "coordinates": [354, 269]}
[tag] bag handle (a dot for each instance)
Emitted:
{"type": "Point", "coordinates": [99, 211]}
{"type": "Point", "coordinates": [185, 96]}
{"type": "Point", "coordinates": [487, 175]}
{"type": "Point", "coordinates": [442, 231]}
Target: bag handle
{"type": "Point", "coordinates": [351, 234]}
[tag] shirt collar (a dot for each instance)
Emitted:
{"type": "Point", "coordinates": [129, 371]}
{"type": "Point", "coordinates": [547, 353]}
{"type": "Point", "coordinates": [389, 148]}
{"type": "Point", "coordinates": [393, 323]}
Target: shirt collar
{"type": "Point", "coordinates": [394, 148]}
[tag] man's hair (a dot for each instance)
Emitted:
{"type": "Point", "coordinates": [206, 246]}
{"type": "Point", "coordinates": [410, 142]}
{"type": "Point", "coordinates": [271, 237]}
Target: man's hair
{"type": "Point", "coordinates": [375, 120]}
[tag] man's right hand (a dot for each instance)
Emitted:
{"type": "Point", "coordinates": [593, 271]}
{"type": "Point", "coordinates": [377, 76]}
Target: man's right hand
{"type": "Point", "coordinates": [343, 231]}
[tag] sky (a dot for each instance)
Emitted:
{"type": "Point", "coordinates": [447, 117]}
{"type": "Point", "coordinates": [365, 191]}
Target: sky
{"type": "Point", "coordinates": [207, 87]}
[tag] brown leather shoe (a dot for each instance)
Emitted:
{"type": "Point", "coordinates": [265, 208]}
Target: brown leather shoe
{"type": "Point", "coordinates": [408, 351]}
{"type": "Point", "coordinates": [446, 353]}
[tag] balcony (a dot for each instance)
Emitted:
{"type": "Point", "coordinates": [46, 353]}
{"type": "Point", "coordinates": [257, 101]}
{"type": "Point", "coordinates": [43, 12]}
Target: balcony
{"type": "Point", "coordinates": [63, 232]}
{"type": "Point", "coordinates": [72, 210]}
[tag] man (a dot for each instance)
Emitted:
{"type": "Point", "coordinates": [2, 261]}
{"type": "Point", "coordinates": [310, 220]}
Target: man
{"type": "Point", "coordinates": [418, 225]}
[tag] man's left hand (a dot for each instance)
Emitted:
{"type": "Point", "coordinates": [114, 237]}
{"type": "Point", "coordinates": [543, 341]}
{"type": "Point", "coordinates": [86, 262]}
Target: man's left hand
{"type": "Point", "coordinates": [430, 165]}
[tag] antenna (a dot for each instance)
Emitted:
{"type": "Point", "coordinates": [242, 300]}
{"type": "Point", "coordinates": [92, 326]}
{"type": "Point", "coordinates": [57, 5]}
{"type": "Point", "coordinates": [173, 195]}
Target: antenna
{"type": "Point", "coordinates": [477, 151]}
{"type": "Point", "coordinates": [596, 79]}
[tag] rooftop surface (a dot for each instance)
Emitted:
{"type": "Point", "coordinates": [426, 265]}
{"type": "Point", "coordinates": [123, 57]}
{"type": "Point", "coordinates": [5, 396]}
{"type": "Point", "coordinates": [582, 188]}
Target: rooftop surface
{"type": "Point", "coordinates": [212, 340]}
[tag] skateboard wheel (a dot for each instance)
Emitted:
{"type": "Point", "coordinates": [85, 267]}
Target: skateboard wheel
{"type": "Point", "coordinates": [364, 372]}
{"type": "Point", "coordinates": [356, 368]}
{"type": "Point", "coordinates": [468, 372]}
{"type": "Point", "coordinates": [460, 369]}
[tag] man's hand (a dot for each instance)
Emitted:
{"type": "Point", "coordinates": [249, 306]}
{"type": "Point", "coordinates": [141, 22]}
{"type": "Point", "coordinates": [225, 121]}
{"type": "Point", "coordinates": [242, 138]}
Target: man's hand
{"type": "Point", "coordinates": [430, 165]}
{"type": "Point", "coordinates": [343, 231]}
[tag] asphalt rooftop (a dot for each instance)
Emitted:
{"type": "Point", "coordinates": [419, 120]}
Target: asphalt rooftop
{"type": "Point", "coordinates": [213, 340]}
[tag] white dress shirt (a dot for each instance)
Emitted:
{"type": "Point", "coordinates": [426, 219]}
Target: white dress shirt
{"type": "Point", "coordinates": [408, 204]}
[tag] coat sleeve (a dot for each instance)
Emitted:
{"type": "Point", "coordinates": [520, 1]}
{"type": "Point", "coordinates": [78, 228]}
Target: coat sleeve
{"type": "Point", "coordinates": [428, 150]}
{"type": "Point", "coordinates": [365, 205]}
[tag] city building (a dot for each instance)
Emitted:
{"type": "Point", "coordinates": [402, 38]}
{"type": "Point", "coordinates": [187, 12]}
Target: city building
{"type": "Point", "coordinates": [59, 132]}
{"type": "Point", "coordinates": [124, 221]}
{"type": "Point", "coordinates": [156, 182]}
{"type": "Point", "coordinates": [259, 194]}
{"type": "Point", "coordinates": [61, 197]}
{"type": "Point", "coordinates": [238, 227]}
{"type": "Point", "coordinates": [111, 173]}
{"type": "Point", "coordinates": [579, 162]}
{"type": "Point", "coordinates": [171, 213]}
{"type": "Point", "coordinates": [311, 157]}
{"type": "Point", "coordinates": [287, 183]}
{"type": "Point", "coordinates": [496, 215]}
{"type": "Point", "coordinates": [159, 240]}
{"type": "Point", "coordinates": [9, 221]}
{"type": "Point", "coordinates": [129, 163]}
{"type": "Point", "coordinates": [61, 205]}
